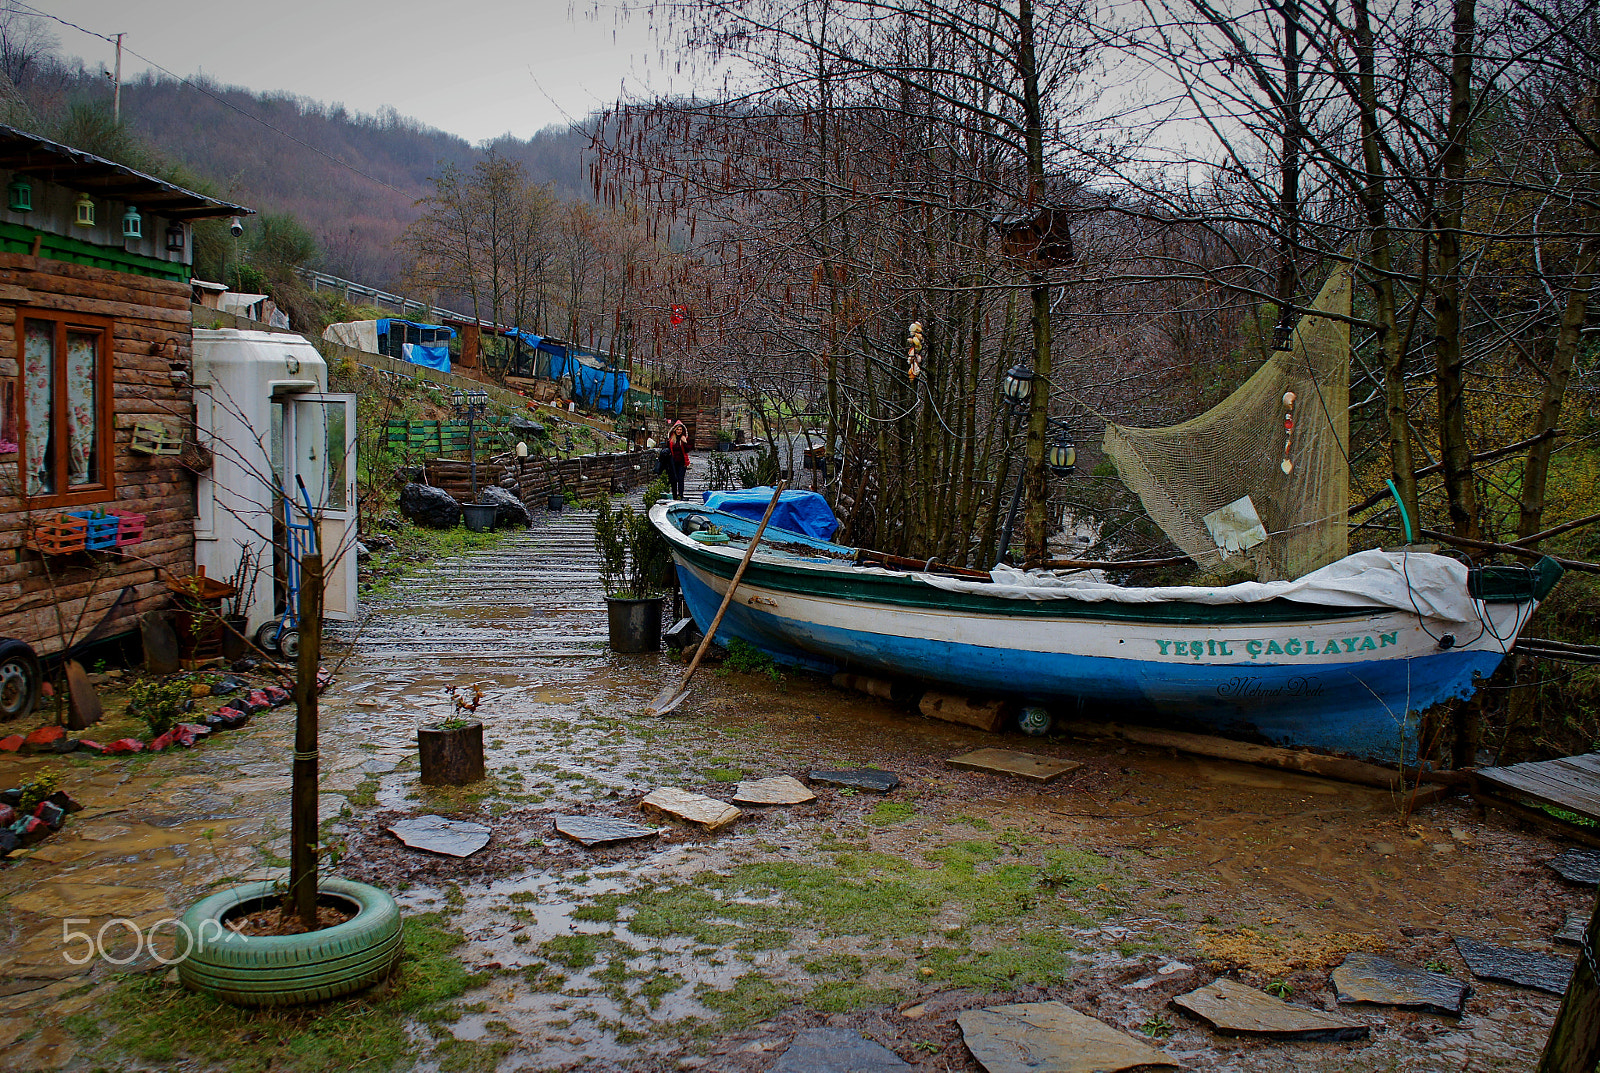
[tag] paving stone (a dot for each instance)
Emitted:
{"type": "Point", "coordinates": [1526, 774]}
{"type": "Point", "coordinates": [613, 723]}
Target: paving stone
{"type": "Point", "coordinates": [378, 767]}
{"type": "Point", "coordinates": [698, 809]}
{"type": "Point", "coordinates": [1233, 1009]}
{"type": "Point", "coordinates": [1573, 927]}
{"type": "Point", "coordinates": [837, 1050]}
{"type": "Point", "coordinates": [1048, 1037]}
{"type": "Point", "coordinates": [1029, 766]}
{"type": "Point", "coordinates": [1381, 981]}
{"type": "Point", "coordinates": [1581, 866]}
{"type": "Point", "coordinates": [602, 830]}
{"type": "Point", "coordinates": [879, 782]}
{"type": "Point", "coordinates": [1542, 972]}
{"type": "Point", "coordinates": [435, 834]}
{"type": "Point", "coordinates": [778, 790]}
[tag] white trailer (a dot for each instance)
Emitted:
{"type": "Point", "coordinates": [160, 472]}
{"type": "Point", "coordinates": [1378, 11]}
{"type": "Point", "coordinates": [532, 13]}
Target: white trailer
{"type": "Point", "coordinates": [263, 409]}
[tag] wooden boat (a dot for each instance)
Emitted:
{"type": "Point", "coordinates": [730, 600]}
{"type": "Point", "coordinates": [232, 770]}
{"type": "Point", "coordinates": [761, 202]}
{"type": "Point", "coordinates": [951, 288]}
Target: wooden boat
{"type": "Point", "coordinates": [1342, 660]}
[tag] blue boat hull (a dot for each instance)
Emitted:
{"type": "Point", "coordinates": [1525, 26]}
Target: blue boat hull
{"type": "Point", "coordinates": [1339, 708]}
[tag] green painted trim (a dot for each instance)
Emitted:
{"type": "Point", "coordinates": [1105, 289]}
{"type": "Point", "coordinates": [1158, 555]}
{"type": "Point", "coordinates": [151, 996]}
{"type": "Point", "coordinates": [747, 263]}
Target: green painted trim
{"type": "Point", "coordinates": [15, 238]}
{"type": "Point", "coordinates": [894, 591]}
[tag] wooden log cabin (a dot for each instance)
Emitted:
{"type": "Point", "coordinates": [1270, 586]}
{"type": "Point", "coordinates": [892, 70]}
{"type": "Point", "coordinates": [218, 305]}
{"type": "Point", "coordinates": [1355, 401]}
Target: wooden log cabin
{"type": "Point", "coordinates": [97, 498]}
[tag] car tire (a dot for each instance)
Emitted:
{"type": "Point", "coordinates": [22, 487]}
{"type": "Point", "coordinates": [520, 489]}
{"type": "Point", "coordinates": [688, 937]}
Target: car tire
{"type": "Point", "coordinates": [287, 970]}
{"type": "Point", "coordinates": [20, 679]}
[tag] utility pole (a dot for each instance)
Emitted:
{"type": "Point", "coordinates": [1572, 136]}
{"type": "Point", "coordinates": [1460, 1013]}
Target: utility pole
{"type": "Point", "coordinates": [116, 86]}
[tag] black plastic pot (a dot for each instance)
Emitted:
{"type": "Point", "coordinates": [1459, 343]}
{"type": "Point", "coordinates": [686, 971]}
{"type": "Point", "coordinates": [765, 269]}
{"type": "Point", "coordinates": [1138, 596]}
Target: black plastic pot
{"type": "Point", "coordinates": [479, 517]}
{"type": "Point", "coordinates": [635, 625]}
{"type": "Point", "coordinates": [556, 502]}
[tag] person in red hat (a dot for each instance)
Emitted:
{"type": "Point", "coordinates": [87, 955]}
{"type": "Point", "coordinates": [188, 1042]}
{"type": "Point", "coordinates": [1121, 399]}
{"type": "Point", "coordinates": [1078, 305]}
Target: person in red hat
{"type": "Point", "coordinates": [678, 458]}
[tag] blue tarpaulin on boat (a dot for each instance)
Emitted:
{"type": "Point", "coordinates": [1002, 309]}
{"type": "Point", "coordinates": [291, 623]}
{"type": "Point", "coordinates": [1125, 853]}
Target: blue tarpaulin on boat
{"type": "Point", "coordinates": [797, 511]}
{"type": "Point", "coordinates": [434, 357]}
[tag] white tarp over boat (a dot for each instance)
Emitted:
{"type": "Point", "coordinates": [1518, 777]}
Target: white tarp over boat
{"type": "Point", "coordinates": [1432, 585]}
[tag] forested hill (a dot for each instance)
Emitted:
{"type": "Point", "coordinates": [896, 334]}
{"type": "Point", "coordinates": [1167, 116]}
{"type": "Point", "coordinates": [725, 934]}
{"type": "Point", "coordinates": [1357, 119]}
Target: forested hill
{"type": "Point", "coordinates": [355, 219]}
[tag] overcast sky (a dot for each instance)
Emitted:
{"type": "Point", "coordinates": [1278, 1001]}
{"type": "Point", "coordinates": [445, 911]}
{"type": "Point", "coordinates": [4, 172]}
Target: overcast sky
{"type": "Point", "coordinates": [477, 68]}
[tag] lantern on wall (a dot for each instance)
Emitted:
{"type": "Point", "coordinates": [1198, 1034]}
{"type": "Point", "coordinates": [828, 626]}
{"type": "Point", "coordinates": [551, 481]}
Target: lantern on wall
{"type": "Point", "coordinates": [85, 216]}
{"type": "Point", "coordinates": [175, 237]}
{"type": "Point", "coordinates": [19, 195]}
{"type": "Point", "coordinates": [132, 223]}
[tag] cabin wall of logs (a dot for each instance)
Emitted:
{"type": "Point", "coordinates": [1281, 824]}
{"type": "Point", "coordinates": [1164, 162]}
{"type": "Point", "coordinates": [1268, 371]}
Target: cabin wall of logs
{"type": "Point", "coordinates": [53, 595]}
{"type": "Point", "coordinates": [533, 480]}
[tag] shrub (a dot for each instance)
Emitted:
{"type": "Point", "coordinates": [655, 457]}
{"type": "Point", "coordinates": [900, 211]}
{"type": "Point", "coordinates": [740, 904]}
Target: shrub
{"type": "Point", "coordinates": [158, 701]}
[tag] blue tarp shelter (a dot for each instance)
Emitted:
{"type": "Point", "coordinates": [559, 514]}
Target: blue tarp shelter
{"type": "Point", "coordinates": [593, 385]}
{"type": "Point", "coordinates": [420, 344]}
{"type": "Point", "coordinates": [797, 511]}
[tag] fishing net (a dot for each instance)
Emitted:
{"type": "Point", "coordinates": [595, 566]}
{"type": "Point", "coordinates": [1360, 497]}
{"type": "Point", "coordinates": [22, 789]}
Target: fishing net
{"type": "Point", "coordinates": [1263, 475]}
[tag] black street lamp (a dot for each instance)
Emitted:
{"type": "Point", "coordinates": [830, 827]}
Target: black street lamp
{"type": "Point", "coordinates": [471, 404]}
{"type": "Point", "coordinates": [1063, 456]}
{"type": "Point", "coordinates": [1017, 390]}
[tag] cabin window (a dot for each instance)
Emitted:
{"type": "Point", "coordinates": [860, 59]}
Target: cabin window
{"type": "Point", "coordinates": [65, 409]}
{"type": "Point", "coordinates": [8, 415]}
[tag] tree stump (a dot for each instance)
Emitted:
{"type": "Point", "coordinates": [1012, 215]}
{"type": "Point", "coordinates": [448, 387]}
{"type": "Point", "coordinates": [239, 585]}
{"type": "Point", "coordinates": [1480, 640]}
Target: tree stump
{"type": "Point", "coordinates": [451, 756]}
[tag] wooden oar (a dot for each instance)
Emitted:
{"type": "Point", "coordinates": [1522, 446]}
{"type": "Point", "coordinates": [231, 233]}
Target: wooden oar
{"type": "Point", "coordinates": [673, 696]}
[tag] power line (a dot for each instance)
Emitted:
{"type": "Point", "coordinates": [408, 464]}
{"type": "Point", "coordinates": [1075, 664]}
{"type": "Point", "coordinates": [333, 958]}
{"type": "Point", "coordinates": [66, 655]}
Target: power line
{"type": "Point", "coordinates": [220, 100]}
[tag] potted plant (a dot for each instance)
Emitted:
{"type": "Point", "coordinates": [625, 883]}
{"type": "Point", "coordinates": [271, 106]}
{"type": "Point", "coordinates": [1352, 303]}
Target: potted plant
{"type": "Point", "coordinates": [451, 751]}
{"type": "Point", "coordinates": [632, 560]}
{"type": "Point", "coordinates": [197, 621]}
{"type": "Point", "coordinates": [724, 440]}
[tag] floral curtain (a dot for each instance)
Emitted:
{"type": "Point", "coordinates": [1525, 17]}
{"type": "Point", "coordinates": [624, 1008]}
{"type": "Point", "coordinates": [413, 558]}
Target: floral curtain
{"type": "Point", "coordinates": [81, 354]}
{"type": "Point", "coordinates": [38, 395]}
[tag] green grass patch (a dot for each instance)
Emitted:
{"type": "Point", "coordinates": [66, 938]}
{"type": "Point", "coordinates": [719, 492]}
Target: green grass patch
{"type": "Point", "coordinates": [163, 1024]}
{"type": "Point", "coordinates": [891, 812]}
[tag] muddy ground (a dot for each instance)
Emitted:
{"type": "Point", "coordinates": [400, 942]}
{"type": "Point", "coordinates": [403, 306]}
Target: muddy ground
{"type": "Point", "coordinates": [1138, 876]}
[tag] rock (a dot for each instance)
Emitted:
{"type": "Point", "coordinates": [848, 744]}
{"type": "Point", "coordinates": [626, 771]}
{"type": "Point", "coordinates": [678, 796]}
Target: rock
{"type": "Point", "coordinates": [601, 830]}
{"type": "Point", "coordinates": [435, 834]}
{"type": "Point", "coordinates": [11, 742]}
{"type": "Point", "coordinates": [697, 809]}
{"type": "Point", "coordinates": [90, 746]}
{"type": "Point", "coordinates": [509, 510]}
{"type": "Point", "coordinates": [8, 815]}
{"type": "Point", "coordinates": [44, 737]}
{"type": "Point", "coordinates": [12, 797]}
{"type": "Point", "coordinates": [1581, 866]}
{"type": "Point", "coordinates": [1369, 978]}
{"type": "Point", "coordinates": [433, 508]}
{"type": "Point", "coordinates": [254, 701]}
{"type": "Point", "coordinates": [60, 797]}
{"type": "Point", "coordinates": [779, 790]}
{"type": "Point", "coordinates": [244, 664]}
{"type": "Point", "coordinates": [1573, 927]}
{"type": "Point", "coordinates": [363, 553]}
{"type": "Point", "coordinates": [1029, 766]}
{"type": "Point", "coordinates": [378, 542]}
{"type": "Point", "coordinates": [8, 841]}
{"type": "Point", "coordinates": [228, 684]}
{"type": "Point", "coordinates": [879, 782]}
{"type": "Point", "coordinates": [84, 708]}
{"type": "Point", "coordinates": [390, 522]}
{"type": "Point", "coordinates": [277, 696]}
{"type": "Point", "coordinates": [50, 813]}
{"type": "Point", "coordinates": [523, 428]}
{"type": "Point", "coordinates": [1236, 1010]}
{"type": "Point", "coordinates": [163, 741]}
{"type": "Point", "coordinates": [30, 829]}
{"type": "Point", "coordinates": [837, 1050]}
{"type": "Point", "coordinates": [1037, 1036]}
{"type": "Point", "coordinates": [682, 634]}
{"type": "Point", "coordinates": [124, 745]}
{"type": "Point", "coordinates": [1542, 972]}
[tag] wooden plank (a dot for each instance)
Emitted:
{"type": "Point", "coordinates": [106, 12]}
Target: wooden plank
{"type": "Point", "coordinates": [1543, 787]}
{"type": "Point", "coordinates": [1587, 762]}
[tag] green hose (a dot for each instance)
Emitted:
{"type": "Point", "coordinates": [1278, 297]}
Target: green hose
{"type": "Point", "coordinates": [1405, 519]}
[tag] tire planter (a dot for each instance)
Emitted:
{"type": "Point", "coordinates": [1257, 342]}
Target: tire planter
{"type": "Point", "coordinates": [290, 970]}
{"type": "Point", "coordinates": [19, 679]}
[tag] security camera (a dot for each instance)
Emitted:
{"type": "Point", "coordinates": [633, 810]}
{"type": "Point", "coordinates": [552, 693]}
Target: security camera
{"type": "Point", "coordinates": [236, 227]}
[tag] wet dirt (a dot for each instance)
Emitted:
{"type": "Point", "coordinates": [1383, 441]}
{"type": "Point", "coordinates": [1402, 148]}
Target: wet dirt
{"type": "Point", "coordinates": [1140, 875]}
